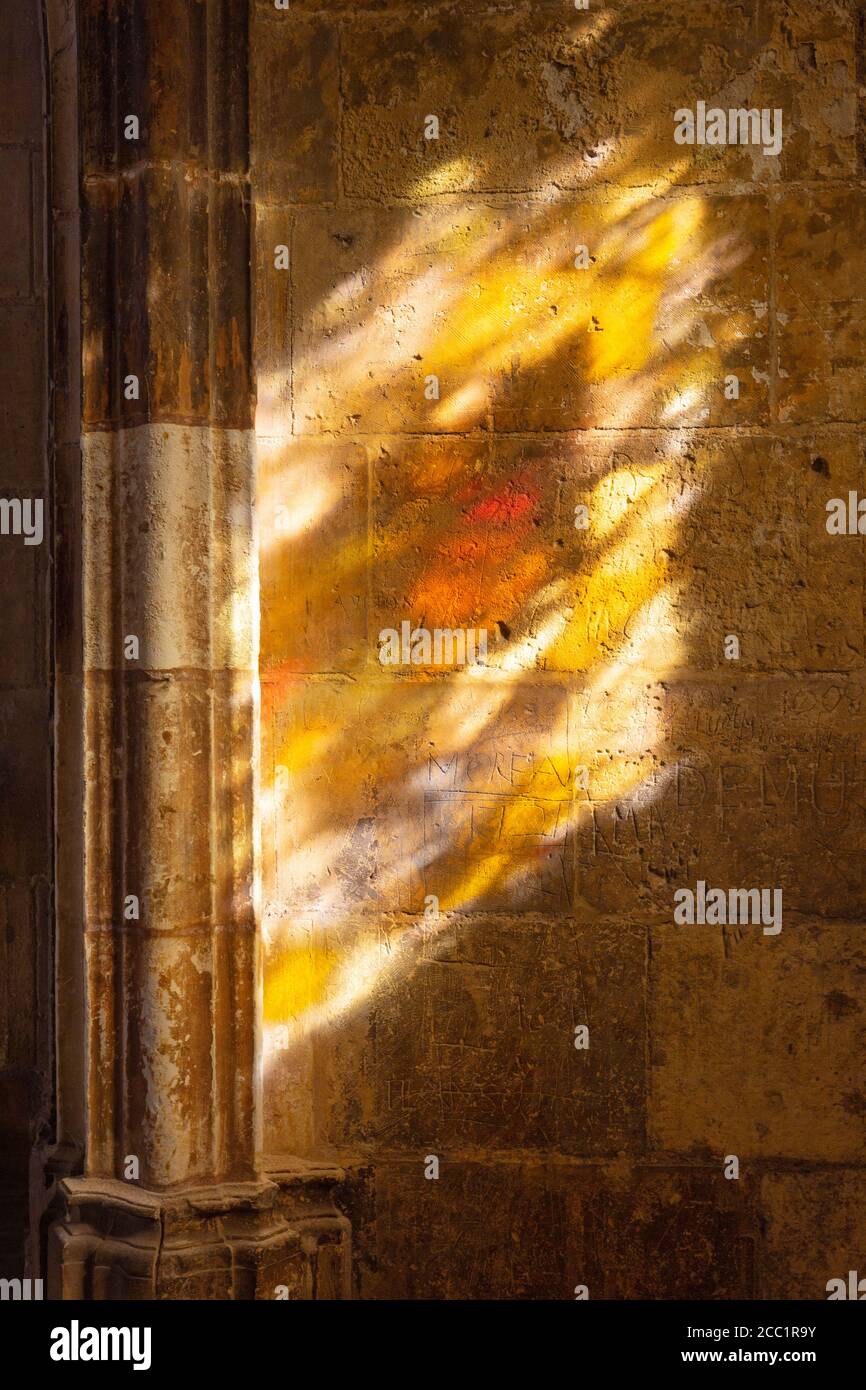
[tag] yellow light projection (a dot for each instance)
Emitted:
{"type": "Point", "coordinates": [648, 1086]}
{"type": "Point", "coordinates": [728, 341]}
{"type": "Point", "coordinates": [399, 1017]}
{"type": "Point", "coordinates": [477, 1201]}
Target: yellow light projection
{"type": "Point", "coordinates": [367, 807]}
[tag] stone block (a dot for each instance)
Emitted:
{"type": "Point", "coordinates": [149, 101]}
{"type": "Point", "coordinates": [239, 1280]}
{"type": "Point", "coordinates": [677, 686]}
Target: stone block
{"type": "Point", "coordinates": [295, 107]}
{"type": "Point", "coordinates": [460, 1036]}
{"type": "Point", "coordinates": [16, 231]}
{"type": "Point", "coordinates": [537, 1231]}
{"type": "Point", "coordinates": [21, 43]}
{"type": "Point", "coordinates": [756, 1040]}
{"type": "Point", "coordinates": [22, 407]}
{"type": "Point", "coordinates": [821, 270]}
{"type": "Point", "coordinates": [748, 784]}
{"type": "Point", "coordinates": [815, 1230]}
{"type": "Point", "coordinates": [185, 571]}
{"type": "Point", "coordinates": [550, 96]}
{"type": "Point", "coordinates": [183, 73]}
{"type": "Point", "coordinates": [312, 519]}
{"type": "Point", "coordinates": [25, 776]}
{"type": "Point", "coordinates": [182, 325]}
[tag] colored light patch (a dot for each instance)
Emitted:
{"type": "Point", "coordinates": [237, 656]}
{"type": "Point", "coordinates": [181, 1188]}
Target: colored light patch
{"type": "Point", "coordinates": [507, 506]}
{"type": "Point", "coordinates": [295, 980]}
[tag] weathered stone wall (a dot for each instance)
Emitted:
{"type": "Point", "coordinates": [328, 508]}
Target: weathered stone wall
{"type": "Point", "coordinates": [613, 750]}
{"type": "Point", "coordinates": [25, 625]}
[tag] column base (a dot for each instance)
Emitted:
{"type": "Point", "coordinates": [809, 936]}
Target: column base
{"type": "Point", "coordinates": [278, 1237]}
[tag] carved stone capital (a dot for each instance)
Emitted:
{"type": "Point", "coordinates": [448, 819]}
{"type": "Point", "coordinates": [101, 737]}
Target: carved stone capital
{"type": "Point", "coordinates": [263, 1239]}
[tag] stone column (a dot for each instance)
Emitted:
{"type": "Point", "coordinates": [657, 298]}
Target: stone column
{"type": "Point", "coordinates": [171, 1202]}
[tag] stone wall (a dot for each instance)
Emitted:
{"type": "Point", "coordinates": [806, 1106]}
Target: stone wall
{"type": "Point", "coordinates": [461, 868]}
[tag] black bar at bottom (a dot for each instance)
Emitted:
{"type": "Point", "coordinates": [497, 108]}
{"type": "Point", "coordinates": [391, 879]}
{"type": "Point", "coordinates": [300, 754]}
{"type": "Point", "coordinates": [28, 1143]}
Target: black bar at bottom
{"type": "Point", "coordinates": [418, 1341]}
